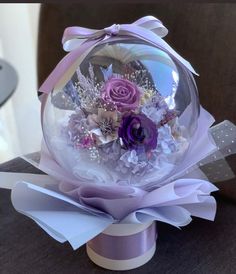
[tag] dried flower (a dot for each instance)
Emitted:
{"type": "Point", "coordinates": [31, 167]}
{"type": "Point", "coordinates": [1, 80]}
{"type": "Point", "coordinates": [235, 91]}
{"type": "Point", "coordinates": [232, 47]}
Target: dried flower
{"type": "Point", "coordinates": [103, 126]}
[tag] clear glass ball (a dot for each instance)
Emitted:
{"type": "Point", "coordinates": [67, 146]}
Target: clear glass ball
{"type": "Point", "coordinates": [125, 117]}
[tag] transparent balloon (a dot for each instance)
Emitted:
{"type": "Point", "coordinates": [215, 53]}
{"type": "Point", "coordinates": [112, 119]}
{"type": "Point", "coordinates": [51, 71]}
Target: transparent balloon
{"type": "Point", "coordinates": [126, 115]}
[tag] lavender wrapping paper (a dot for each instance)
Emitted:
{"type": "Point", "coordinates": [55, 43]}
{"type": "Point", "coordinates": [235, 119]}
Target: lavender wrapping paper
{"type": "Point", "coordinates": [89, 209]}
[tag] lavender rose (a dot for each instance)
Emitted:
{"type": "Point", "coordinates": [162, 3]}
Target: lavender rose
{"type": "Point", "coordinates": [122, 93]}
{"type": "Point", "coordinates": [137, 130]}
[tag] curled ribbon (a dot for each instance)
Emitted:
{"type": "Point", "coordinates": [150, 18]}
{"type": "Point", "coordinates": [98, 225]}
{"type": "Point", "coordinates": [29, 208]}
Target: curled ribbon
{"type": "Point", "coordinates": [79, 41]}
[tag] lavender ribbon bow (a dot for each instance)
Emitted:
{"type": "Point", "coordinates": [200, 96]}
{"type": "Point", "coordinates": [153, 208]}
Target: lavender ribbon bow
{"type": "Point", "coordinates": [75, 36]}
{"type": "Point", "coordinates": [79, 41]}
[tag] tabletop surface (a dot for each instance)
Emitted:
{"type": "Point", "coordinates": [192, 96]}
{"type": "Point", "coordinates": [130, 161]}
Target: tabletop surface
{"type": "Point", "coordinates": [201, 247]}
{"type": "Point", "coordinates": [8, 81]}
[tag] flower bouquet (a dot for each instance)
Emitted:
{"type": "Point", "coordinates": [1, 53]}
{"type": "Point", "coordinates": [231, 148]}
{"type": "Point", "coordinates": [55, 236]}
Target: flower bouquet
{"type": "Point", "coordinates": [126, 144]}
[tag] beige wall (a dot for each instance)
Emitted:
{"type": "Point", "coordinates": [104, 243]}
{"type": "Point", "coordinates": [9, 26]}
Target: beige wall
{"type": "Point", "coordinates": [20, 130]}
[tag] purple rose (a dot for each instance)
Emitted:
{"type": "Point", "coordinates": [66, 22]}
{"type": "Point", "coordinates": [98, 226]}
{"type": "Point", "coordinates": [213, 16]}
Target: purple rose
{"type": "Point", "coordinates": [122, 93]}
{"type": "Point", "coordinates": [137, 130]}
